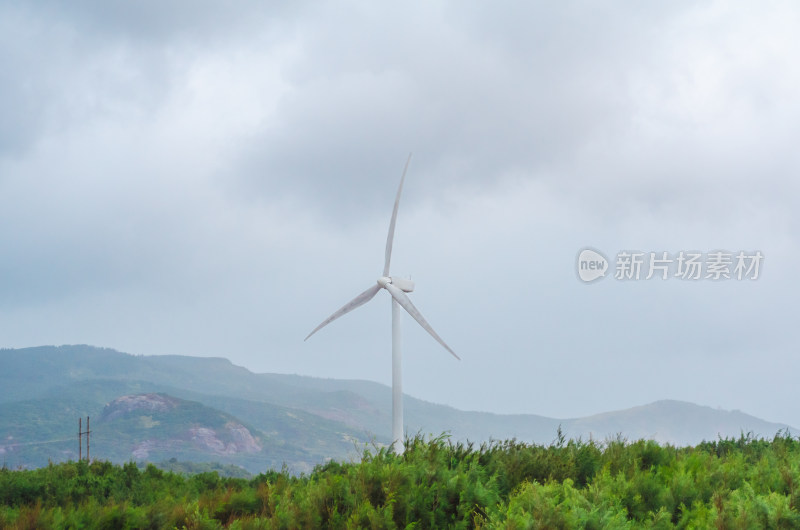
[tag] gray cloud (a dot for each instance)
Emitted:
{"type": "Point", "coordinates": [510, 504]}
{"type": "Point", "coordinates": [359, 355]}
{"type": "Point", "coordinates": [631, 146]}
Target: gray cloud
{"type": "Point", "coordinates": [212, 180]}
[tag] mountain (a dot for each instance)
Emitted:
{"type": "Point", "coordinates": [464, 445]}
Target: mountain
{"type": "Point", "coordinates": [154, 426]}
{"type": "Point", "coordinates": [674, 422]}
{"type": "Point", "coordinates": [210, 410]}
{"type": "Point", "coordinates": [145, 421]}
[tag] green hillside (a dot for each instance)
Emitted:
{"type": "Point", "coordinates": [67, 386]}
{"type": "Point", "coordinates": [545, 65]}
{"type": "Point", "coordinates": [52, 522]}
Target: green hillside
{"type": "Point", "coordinates": [298, 421]}
{"type": "Point", "coordinates": [37, 431]}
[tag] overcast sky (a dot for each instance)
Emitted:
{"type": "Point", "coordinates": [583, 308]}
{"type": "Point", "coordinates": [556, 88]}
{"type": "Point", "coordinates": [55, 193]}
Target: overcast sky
{"type": "Point", "coordinates": [215, 179]}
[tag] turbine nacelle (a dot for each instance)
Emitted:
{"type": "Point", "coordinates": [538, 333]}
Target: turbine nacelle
{"type": "Point", "coordinates": [404, 284]}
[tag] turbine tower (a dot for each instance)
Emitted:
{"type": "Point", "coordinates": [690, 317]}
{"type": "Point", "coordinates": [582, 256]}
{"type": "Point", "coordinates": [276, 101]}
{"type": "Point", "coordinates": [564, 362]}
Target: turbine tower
{"type": "Point", "coordinates": [397, 287]}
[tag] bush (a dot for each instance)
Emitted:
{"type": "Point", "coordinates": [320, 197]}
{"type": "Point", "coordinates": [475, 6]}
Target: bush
{"type": "Point", "coordinates": [744, 482]}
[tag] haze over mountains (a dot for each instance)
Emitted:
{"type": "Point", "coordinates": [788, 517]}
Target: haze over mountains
{"type": "Point", "coordinates": [209, 410]}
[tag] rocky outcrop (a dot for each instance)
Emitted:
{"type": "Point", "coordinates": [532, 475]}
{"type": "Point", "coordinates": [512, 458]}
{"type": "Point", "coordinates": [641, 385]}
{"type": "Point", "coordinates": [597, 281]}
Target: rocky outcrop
{"type": "Point", "coordinates": [234, 439]}
{"type": "Point", "coordinates": [239, 440]}
{"type": "Point", "coordinates": [183, 425]}
{"type": "Point", "coordinates": [147, 403]}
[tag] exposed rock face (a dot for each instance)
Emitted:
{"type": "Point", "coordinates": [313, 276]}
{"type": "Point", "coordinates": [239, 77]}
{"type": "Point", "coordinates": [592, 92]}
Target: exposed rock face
{"type": "Point", "coordinates": [142, 450]}
{"type": "Point", "coordinates": [241, 441]}
{"type": "Point", "coordinates": [242, 438]}
{"type": "Point", "coordinates": [125, 405]}
{"type": "Point", "coordinates": [182, 427]}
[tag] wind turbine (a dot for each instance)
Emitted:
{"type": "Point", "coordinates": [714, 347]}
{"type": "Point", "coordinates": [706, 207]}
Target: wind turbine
{"type": "Point", "coordinates": [397, 287]}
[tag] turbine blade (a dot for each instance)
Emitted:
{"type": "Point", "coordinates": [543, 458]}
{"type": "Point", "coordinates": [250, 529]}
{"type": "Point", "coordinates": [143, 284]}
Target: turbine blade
{"type": "Point", "coordinates": [390, 237]}
{"type": "Point", "coordinates": [403, 299]}
{"type": "Point", "coordinates": [359, 300]}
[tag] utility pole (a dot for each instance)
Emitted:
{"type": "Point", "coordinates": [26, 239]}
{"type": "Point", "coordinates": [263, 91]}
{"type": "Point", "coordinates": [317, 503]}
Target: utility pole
{"type": "Point", "coordinates": [81, 432]}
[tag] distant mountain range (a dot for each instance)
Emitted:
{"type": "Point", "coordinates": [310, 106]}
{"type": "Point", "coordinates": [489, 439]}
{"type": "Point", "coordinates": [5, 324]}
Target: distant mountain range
{"type": "Point", "coordinates": [201, 409]}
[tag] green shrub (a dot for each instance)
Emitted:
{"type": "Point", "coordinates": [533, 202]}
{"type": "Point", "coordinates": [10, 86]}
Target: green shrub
{"type": "Point", "coordinates": [728, 483]}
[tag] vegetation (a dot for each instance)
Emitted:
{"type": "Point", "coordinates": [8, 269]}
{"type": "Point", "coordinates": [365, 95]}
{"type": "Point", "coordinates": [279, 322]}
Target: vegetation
{"type": "Point", "coordinates": [296, 420]}
{"type": "Point", "coordinates": [193, 468]}
{"type": "Point", "coordinates": [44, 390]}
{"type": "Point", "coordinates": [730, 483]}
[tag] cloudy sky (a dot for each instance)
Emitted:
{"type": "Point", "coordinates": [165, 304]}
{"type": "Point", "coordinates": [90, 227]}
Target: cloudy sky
{"type": "Point", "coordinates": [214, 179]}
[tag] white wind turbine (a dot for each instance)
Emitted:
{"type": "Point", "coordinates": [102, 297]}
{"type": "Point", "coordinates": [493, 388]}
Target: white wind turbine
{"type": "Point", "coordinates": [397, 287]}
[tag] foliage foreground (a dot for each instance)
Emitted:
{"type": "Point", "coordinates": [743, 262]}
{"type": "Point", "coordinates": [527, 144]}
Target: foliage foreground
{"type": "Point", "coordinates": [730, 483]}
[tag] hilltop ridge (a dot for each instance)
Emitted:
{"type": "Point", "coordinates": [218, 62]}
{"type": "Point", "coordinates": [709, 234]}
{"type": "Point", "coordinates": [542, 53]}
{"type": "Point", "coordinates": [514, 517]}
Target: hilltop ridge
{"type": "Point", "coordinates": [194, 408]}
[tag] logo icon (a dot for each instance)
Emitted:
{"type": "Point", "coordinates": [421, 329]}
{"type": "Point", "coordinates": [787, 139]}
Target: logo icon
{"type": "Point", "coordinates": [591, 265]}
